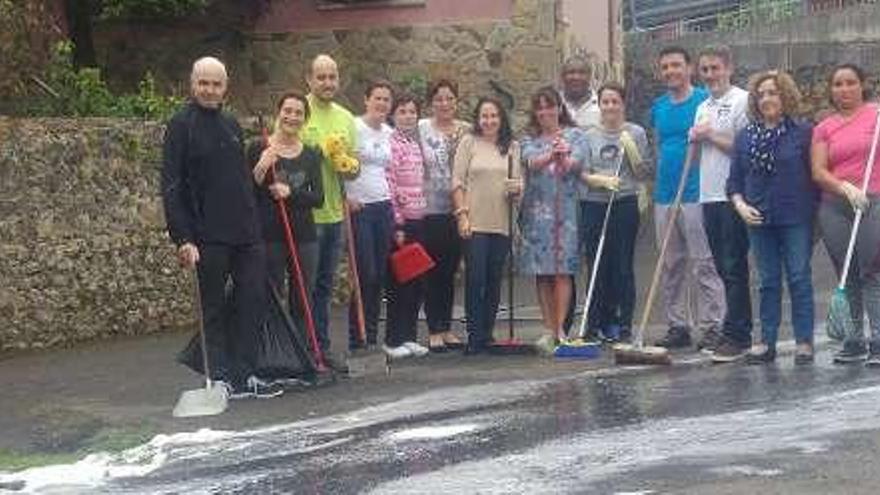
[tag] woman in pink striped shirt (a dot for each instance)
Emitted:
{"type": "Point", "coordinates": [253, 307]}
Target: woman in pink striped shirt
{"type": "Point", "coordinates": [406, 184]}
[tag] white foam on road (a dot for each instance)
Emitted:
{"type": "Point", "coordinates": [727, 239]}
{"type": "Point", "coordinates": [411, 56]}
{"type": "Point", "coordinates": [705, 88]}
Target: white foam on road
{"type": "Point", "coordinates": [432, 432]}
{"type": "Point", "coordinates": [572, 463]}
{"type": "Point", "coordinates": [95, 469]}
{"type": "Point", "coordinates": [745, 470]}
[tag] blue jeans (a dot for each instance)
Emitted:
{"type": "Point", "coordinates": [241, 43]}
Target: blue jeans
{"type": "Point", "coordinates": [373, 226]}
{"type": "Point", "coordinates": [485, 256]}
{"type": "Point", "coordinates": [329, 244]}
{"type": "Point", "coordinates": [788, 247]}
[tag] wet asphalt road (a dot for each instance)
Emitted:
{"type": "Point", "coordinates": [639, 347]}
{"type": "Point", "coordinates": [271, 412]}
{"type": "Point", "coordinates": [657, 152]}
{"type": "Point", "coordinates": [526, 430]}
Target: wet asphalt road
{"type": "Point", "coordinates": [687, 429]}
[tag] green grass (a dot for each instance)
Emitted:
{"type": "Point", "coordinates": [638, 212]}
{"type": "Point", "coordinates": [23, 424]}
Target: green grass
{"type": "Point", "coordinates": [111, 440]}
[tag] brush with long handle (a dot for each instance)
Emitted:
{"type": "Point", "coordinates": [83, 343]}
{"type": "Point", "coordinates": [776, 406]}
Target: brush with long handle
{"type": "Point", "coordinates": [511, 345]}
{"type": "Point", "coordinates": [296, 270]}
{"type": "Point", "coordinates": [580, 348]}
{"type": "Point", "coordinates": [638, 352]}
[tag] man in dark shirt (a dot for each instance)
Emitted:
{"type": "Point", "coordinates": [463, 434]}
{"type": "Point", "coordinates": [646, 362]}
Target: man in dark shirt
{"type": "Point", "coordinates": [211, 214]}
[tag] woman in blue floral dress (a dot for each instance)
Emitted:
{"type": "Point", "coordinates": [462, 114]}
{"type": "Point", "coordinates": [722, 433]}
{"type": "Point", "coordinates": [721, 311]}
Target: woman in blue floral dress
{"type": "Point", "coordinates": [554, 153]}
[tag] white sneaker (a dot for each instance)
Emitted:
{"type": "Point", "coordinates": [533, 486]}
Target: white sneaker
{"type": "Point", "coordinates": [546, 344]}
{"type": "Point", "coordinates": [398, 352]}
{"type": "Point", "coordinates": [416, 349]}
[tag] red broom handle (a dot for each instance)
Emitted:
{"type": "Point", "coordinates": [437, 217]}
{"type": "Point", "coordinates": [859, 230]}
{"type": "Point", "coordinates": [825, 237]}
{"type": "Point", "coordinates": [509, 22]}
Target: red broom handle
{"type": "Point", "coordinates": [355, 280]}
{"type": "Point", "coordinates": [296, 269]}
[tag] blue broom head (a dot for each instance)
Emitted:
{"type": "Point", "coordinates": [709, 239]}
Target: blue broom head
{"type": "Point", "coordinates": [839, 323]}
{"type": "Point", "coordinates": [578, 350]}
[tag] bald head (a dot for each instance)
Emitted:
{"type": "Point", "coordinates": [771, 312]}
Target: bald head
{"type": "Point", "coordinates": [323, 78]}
{"type": "Point", "coordinates": [208, 81]}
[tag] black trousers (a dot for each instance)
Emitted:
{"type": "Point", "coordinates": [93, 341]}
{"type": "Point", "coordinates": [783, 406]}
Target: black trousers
{"type": "Point", "coordinates": [405, 300]}
{"type": "Point", "coordinates": [729, 242]}
{"type": "Point", "coordinates": [444, 246]}
{"type": "Point", "coordinates": [231, 317]}
{"type": "Point", "coordinates": [614, 294]}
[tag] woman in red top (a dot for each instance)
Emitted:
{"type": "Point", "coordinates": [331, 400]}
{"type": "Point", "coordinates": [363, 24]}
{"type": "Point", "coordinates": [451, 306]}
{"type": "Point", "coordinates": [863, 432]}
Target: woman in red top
{"type": "Point", "coordinates": [841, 145]}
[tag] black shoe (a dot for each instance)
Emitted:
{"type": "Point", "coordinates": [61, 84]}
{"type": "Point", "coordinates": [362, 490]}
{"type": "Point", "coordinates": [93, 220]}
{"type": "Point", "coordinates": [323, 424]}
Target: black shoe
{"type": "Point", "coordinates": [257, 388]}
{"type": "Point", "coordinates": [676, 338]}
{"type": "Point", "coordinates": [474, 348]}
{"type": "Point", "coordinates": [729, 351]}
{"type": "Point", "coordinates": [852, 352]}
{"type": "Point", "coordinates": [873, 360]}
{"type": "Point", "coordinates": [712, 339]}
{"type": "Point", "coordinates": [611, 333]}
{"type": "Point", "coordinates": [625, 334]}
{"type": "Point", "coordinates": [766, 357]}
{"type": "Point", "coordinates": [334, 363]}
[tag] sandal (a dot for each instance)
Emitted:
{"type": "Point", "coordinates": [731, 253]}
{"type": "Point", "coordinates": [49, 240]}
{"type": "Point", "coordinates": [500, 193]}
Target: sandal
{"type": "Point", "coordinates": [436, 344]}
{"type": "Point", "coordinates": [804, 354]}
{"type": "Point", "coordinates": [451, 341]}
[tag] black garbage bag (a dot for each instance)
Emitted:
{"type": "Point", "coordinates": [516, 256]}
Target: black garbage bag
{"type": "Point", "coordinates": [280, 349]}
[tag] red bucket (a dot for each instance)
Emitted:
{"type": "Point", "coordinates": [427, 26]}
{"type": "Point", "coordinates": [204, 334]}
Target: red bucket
{"type": "Point", "coordinates": [410, 262]}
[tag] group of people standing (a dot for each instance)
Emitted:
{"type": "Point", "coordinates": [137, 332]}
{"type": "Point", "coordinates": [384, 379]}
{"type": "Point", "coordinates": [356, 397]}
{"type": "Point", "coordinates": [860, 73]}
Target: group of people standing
{"type": "Point", "coordinates": [757, 176]}
{"type": "Point", "coordinates": [761, 178]}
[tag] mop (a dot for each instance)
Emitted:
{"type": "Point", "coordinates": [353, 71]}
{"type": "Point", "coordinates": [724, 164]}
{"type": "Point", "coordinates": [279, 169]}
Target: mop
{"type": "Point", "coordinates": [213, 399]}
{"type": "Point", "coordinates": [839, 323]}
{"type": "Point", "coordinates": [512, 344]}
{"type": "Point", "coordinates": [638, 352]}
{"type": "Point", "coordinates": [580, 348]}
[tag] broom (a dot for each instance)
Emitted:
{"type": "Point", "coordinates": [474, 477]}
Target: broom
{"type": "Point", "coordinates": [839, 323]}
{"type": "Point", "coordinates": [638, 352]}
{"type": "Point", "coordinates": [357, 298]}
{"type": "Point", "coordinates": [510, 345]}
{"type": "Point", "coordinates": [296, 269]}
{"type": "Point", "coordinates": [579, 348]}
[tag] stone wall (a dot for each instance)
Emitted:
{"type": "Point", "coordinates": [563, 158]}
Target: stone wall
{"type": "Point", "coordinates": [83, 251]}
{"type": "Point", "coordinates": [509, 58]}
{"type": "Point", "coordinates": [808, 47]}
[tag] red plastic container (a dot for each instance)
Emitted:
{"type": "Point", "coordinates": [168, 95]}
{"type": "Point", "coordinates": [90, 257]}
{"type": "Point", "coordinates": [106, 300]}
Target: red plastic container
{"type": "Point", "coordinates": [409, 262]}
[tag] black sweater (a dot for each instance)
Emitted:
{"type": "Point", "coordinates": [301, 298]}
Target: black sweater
{"type": "Point", "coordinates": [303, 175]}
{"type": "Point", "coordinates": [207, 188]}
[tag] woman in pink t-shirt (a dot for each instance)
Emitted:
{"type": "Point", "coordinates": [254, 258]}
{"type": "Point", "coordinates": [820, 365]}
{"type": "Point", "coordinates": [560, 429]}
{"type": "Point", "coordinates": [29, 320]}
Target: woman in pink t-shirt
{"type": "Point", "coordinates": [841, 145]}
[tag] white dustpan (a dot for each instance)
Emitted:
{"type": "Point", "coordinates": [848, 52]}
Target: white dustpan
{"type": "Point", "coordinates": [214, 398]}
{"type": "Point", "coordinates": [208, 401]}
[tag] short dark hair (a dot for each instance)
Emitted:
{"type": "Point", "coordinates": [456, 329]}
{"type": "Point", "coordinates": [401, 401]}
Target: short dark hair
{"type": "Point", "coordinates": [404, 99]}
{"type": "Point", "coordinates": [505, 133]}
{"type": "Point", "coordinates": [296, 95]}
{"type": "Point", "coordinates": [439, 84]}
{"type": "Point", "coordinates": [721, 51]}
{"type": "Point", "coordinates": [376, 84]}
{"type": "Point", "coordinates": [860, 74]}
{"type": "Point", "coordinates": [612, 86]}
{"type": "Point", "coordinates": [675, 50]}
{"type": "Point", "coordinates": [549, 94]}
{"type": "Point", "coordinates": [576, 62]}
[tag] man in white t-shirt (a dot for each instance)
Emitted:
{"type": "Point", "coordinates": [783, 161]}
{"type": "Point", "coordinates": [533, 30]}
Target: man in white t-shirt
{"type": "Point", "coordinates": [717, 121]}
{"type": "Point", "coordinates": [577, 94]}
